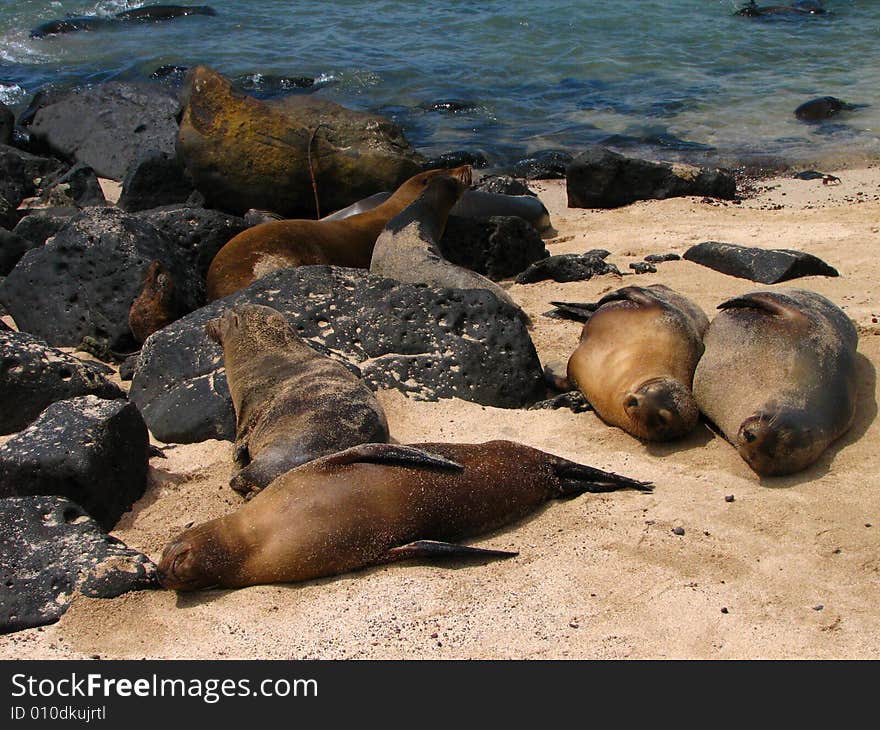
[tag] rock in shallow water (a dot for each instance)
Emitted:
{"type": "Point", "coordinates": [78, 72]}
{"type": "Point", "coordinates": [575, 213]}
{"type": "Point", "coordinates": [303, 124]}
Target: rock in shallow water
{"type": "Point", "coordinates": [767, 266]}
{"type": "Point", "coordinates": [33, 375]}
{"type": "Point", "coordinates": [600, 178]}
{"type": "Point", "coordinates": [428, 343]}
{"type": "Point", "coordinates": [90, 450]}
{"type": "Point", "coordinates": [49, 550]}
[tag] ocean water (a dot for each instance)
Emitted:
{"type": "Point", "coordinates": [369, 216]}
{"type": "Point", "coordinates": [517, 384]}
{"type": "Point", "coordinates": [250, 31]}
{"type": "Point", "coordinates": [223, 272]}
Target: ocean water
{"type": "Point", "coordinates": [680, 79]}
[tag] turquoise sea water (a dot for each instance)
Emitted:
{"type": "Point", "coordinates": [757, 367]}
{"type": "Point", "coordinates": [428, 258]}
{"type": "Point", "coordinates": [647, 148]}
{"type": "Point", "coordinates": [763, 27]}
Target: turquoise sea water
{"type": "Point", "coordinates": [538, 74]}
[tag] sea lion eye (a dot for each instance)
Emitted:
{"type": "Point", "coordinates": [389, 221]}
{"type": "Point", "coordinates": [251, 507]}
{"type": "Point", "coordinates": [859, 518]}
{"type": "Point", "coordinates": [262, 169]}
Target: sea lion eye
{"type": "Point", "coordinates": [631, 402]}
{"type": "Point", "coordinates": [749, 436]}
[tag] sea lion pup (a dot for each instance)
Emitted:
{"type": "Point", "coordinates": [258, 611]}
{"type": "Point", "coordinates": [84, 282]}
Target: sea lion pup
{"type": "Point", "coordinates": [157, 305]}
{"type": "Point", "coordinates": [407, 249]}
{"type": "Point", "coordinates": [372, 504]}
{"type": "Point", "coordinates": [292, 404]}
{"type": "Point", "coordinates": [284, 244]}
{"type": "Point", "coordinates": [779, 377]}
{"type": "Point", "coordinates": [636, 358]}
{"type": "Point", "coordinates": [471, 204]}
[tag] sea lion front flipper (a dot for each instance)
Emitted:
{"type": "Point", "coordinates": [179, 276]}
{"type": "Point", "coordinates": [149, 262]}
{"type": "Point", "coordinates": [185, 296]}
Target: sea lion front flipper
{"type": "Point", "coordinates": [575, 479]}
{"type": "Point", "coordinates": [770, 302]}
{"type": "Point", "coordinates": [395, 455]}
{"type": "Point", "coordinates": [437, 550]}
{"type": "Point", "coordinates": [579, 311]}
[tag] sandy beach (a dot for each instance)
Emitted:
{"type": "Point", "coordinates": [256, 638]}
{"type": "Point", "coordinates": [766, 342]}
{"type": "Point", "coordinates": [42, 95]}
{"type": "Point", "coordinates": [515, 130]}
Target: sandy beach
{"type": "Point", "coordinates": [789, 569]}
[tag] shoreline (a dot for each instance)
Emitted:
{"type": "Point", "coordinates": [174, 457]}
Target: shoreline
{"type": "Point", "coordinates": [599, 576]}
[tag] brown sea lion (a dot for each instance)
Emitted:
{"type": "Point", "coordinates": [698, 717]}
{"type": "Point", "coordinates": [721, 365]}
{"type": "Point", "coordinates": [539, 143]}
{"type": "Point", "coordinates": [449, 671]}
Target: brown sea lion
{"type": "Point", "coordinates": [156, 306]}
{"type": "Point", "coordinates": [778, 377]}
{"type": "Point", "coordinates": [292, 404]}
{"type": "Point", "coordinates": [407, 249]}
{"type": "Point", "coordinates": [284, 244]}
{"type": "Point", "coordinates": [636, 358]}
{"type": "Point", "coordinates": [376, 503]}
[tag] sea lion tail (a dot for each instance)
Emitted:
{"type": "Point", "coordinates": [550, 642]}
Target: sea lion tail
{"type": "Point", "coordinates": [574, 479]}
{"type": "Point", "coordinates": [578, 311]}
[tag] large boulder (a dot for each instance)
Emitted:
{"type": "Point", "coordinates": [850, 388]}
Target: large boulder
{"type": "Point", "coordinates": [41, 224]}
{"type": "Point", "coordinates": [33, 375]}
{"type": "Point", "coordinates": [245, 153]}
{"type": "Point", "coordinates": [83, 281]}
{"type": "Point", "coordinates": [496, 247]}
{"type": "Point", "coordinates": [49, 551]}
{"type": "Point", "coordinates": [12, 248]}
{"type": "Point", "coordinates": [543, 165]}
{"type": "Point", "coordinates": [600, 178]}
{"type": "Point", "coordinates": [88, 449]}
{"type": "Point", "coordinates": [767, 266]}
{"type": "Point", "coordinates": [108, 126]}
{"type": "Point", "coordinates": [199, 232]}
{"type": "Point", "coordinates": [428, 343]}
{"type": "Point", "coordinates": [569, 267]}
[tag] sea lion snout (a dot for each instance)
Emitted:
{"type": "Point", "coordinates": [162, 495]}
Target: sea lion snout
{"type": "Point", "coordinates": [774, 445]}
{"type": "Point", "coordinates": [661, 409]}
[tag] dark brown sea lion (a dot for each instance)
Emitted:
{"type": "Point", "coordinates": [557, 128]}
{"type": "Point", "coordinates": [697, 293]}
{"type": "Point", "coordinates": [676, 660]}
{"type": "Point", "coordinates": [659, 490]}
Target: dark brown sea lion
{"type": "Point", "coordinates": [156, 306]}
{"type": "Point", "coordinates": [148, 13]}
{"type": "Point", "coordinates": [292, 404]}
{"type": "Point", "coordinates": [376, 503]}
{"type": "Point", "coordinates": [803, 7]}
{"type": "Point", "coordinates": [284, 244]}
{"type": "Point", "coordinates": [407, 249]}
{"type": "Point", "coordinates": [778, 377]}
{"type": "Point", "coordinates": [636, 358]}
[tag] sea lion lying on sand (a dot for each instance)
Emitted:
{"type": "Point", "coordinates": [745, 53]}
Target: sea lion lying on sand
{"type": "Point", "coordinates": [373, 504]}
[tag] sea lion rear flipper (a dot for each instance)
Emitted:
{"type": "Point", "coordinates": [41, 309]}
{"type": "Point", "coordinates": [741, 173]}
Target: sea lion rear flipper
{"type": "Point", "coordinates": [393, 454]}
{"type": "Point", "coordinates": [575, 479]}
{"type": "Point", "coordinates": [770, 302]}
{"type": "Point", "coordinates": [580, 311]}
{"type": "Point", "coordinates": [437, 550]}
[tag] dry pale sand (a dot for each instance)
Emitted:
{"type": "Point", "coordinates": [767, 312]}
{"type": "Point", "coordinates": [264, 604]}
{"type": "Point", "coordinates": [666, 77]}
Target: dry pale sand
{"type": "Point", "coordinates": [794, 562]}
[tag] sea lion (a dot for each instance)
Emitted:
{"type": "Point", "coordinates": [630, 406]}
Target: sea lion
{"type": "Point", "coordinates": [824, 107]}
{"type": "Point", "coordinates": [292, 404]}
{"type": "Point", "coordinates": [471, 204]}
{"type": "Point", "coordinates": [407, 249]}
{"type": "Point", "coordinates": [145, 14]}
{"type": "Point", "coordinates": [372, 504]}
{"type": "Point", "coordinates": [778, 377]}
{"type": "Point", "coordinates": [636, 358]}
{"type": "Point", "coordinates": [284, 244]}
{"type": "Point", "coordinates": [157, 305]}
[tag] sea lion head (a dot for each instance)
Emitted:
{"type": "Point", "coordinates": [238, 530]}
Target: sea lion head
{"type": "Point", "coordinates": [416, 185]}
{"type": "Point", "coordinates": [775, 442]}
{"type": "Point", "coordinates": [260, 322]}
{"type": "Point", "coordinates": [196, 559]}
{"type": "Point", "coordinates": [661, 409]}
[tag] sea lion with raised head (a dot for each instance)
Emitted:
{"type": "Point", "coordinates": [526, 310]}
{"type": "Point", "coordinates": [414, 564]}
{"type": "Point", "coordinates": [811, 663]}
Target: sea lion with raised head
{"type": "Point", "coordinates": [407, 249]}
{"type": "Point", "coordinates": [778, 377]}
{"type": "Point", "coordinates": [636, 358]}
{"type": "Point", "coordinates": [285, 244]}
{"type": "Point", "coordinates": [373, 504]}
{"type": "Point", "coordinates": [292, 404]}
{"type": "Point", "coordinates": [157, 305]}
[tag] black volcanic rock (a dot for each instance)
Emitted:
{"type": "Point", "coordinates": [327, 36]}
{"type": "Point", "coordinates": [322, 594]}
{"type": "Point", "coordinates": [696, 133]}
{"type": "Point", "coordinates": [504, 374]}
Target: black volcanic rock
{"type": "Point", "coordinates": [88, 449]}
{"type": "Point", "coordinates": [7, 124]}
{"type": "Point", "coordinates": [568, 267]}
{"type": "Point", "coordinates": [497, 247]}
{"type": "Point", "coordinates": [503, 185]}
{"type": "Point", "coordinates": [50, 550]}
{"type": "Point", "coordinates": [767, 266]}
{"type": "Point", "coordinates": [33, 375]}
{"type": "Point", "coordinates": [83, 281]}
{"type": "Point", "coordinates": [12, 248]}
{"type": "Point", "coordinates": [21, 174]}
{"type": "Point", "coordinates": [43, 223]}
{"type": "Point", "coordinates": [544, 165]}
{"type": "Point", "coordinates": [155, 179]}
{"type": "Point", "coordinates": [600, 178]}
{"type": "Point", "coordinates": [428, 343]}
{"type": "Point", "coordinates": [108, 126]}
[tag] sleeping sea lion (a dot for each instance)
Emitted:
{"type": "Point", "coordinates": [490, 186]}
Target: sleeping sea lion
{"type": "Point", "coordinates": [636, 358]}
{"type": "Point", "coordinates": [778, 377]}
{"type": "Point", "coordinates": [407, 249]}
{"type": "Point", "coordinates": [292, 404]}
{"type": "Point", "coordinates": [372, 504]}
{"type": "Point", "coordinates": [284, 244]}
